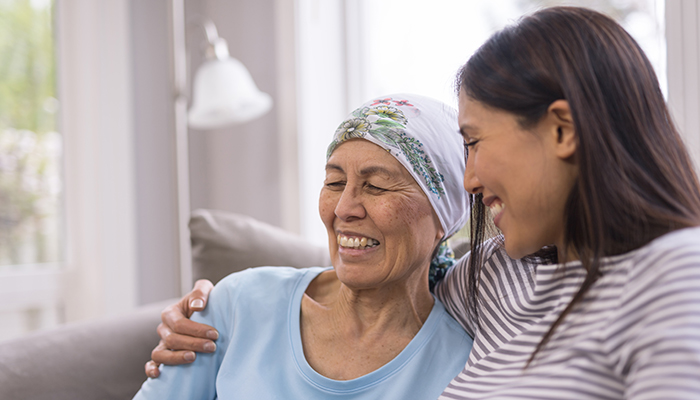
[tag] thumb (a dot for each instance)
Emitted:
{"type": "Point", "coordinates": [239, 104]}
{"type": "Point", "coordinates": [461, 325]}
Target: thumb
{"type": "Point", "coordinates": [199, 295]}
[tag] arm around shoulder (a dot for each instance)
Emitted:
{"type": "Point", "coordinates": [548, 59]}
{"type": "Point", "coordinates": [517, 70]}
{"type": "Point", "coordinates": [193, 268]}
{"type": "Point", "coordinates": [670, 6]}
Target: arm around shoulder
{"type": "Point", "coordinates": [198, 380]}
{"type": "Point", "coordinates": [452, 292]}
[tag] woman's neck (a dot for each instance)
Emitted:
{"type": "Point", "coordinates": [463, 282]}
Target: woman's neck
{"type": "Point", "coordinates": [347, 333]}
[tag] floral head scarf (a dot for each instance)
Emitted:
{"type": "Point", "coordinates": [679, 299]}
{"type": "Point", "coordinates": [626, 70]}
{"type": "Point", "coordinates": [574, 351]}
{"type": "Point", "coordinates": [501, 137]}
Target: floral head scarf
{"type": "Point", "coordinates": [421, 133]}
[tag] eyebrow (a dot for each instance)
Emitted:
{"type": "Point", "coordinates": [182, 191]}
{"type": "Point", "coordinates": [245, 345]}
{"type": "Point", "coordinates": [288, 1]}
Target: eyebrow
{"type": "Point", "coordinates": [334, 167]}
{"type": "Point", "coordinates": [466, 127]}
{"type": "Point", "coordinates": [371, 170]}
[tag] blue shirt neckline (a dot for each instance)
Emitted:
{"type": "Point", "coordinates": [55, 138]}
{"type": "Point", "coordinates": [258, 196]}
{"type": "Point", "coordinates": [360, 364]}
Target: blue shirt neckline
{"type": "Point", "coordinates": [365, 381]}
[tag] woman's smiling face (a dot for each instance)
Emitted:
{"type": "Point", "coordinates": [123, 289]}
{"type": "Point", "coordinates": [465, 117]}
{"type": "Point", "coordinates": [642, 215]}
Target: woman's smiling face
{"type": "Point", "coordinates": [525, 176]}
{"type": "Point", "coordinates": [380, 224]}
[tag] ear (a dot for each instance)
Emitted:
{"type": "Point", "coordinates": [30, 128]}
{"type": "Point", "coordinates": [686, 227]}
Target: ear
{"type": "Point", "coordinates": [562, 125]}
{"type": "Point", "coordinates": [440, 232]}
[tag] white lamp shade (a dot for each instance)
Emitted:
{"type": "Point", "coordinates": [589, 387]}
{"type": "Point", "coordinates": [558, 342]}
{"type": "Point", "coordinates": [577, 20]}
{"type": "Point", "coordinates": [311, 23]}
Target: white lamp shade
{"type": "Point", "coordinates": [224, 94]}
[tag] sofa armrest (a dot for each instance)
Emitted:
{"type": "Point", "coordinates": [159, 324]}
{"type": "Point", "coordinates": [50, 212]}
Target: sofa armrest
{"type": "Point", "coordinates": [101, 359]}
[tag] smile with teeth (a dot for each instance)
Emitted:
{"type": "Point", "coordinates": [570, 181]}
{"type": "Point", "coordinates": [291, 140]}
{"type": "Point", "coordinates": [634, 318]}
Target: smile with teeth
{"type": "Point", "coordinates": [356, 243]}
{"type": "Point", "coordinates": [496, 209]}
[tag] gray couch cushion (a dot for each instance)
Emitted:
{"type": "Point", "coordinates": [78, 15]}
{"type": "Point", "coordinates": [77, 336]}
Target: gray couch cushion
{"type": "Point", "coordinates": [102, 359]}
{"type": "Point", "coordinates": [224, 242]}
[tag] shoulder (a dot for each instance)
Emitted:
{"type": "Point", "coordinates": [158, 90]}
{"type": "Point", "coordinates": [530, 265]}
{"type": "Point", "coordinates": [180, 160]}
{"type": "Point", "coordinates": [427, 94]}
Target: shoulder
{"type": "Point", "coordinates": [448, 327]}
{"type": "Point", "coordinates": [250, 292]}
{"type": "Point", "coordinates": [494, 257]}
{"type": "Point", "coordinates": [257, 284]}
{"type": "Point", "coordinates": [655, 327]}
{"type": "Point", "coordinates": [497, 266]}
{"type": "Point", "coordinates": [672, 253]}
{"type": "Point", "coordinates": [661, 276]}
{"type": "Point", "coordinates": [445, 350]}
{"type": "Point", "coordinates": [682, 241]}
{"type": "Point", "coordinates": [268, 276]}
{"type": "Point", "coordinates": [442, 341]}
{"type": "Point", "coordinates": [489, 249]}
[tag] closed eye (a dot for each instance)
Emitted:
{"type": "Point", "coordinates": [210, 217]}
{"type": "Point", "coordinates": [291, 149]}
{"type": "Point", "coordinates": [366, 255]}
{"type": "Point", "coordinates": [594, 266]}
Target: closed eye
{"type": "Point", "coordinates": [375, 188]}
{"type": "Point", "coordinates": [467, 145]}
{"type": "Point", "coordinates": [335, 185]}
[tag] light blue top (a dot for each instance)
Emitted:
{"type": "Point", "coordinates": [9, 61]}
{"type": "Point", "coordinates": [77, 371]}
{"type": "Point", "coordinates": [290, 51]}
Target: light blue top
{"type": "Point", "coordinates": [260, 355]}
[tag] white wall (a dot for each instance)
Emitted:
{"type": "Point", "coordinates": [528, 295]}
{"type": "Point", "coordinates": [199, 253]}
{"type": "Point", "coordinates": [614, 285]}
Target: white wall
{"type": "Point", "coordinates": [683, 37]}
{"type": "Point", "coordinates": [241, 163]}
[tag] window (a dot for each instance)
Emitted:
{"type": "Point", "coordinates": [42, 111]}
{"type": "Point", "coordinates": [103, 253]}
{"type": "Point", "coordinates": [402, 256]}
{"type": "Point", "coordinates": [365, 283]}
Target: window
{"type": "Point", "coordinates": [418, 46]}
{"type": "Point", "coordinates": [81, 265]}
{"type": "Point", "coordinates": [414, 46]}
{"type": "Point", "coordinates": [31, 211]}
{"type": "Point", "coordinates": [30, 147]}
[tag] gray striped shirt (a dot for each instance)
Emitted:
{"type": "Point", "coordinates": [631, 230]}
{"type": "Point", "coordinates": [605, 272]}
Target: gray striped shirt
{"type": "Point", "coordinates": [635, 335]}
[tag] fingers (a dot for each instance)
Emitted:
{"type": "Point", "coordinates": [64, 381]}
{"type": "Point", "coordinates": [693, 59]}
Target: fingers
{"type": "Point", "coordinates": [176, 316]}
{"type": "Point", "coordinates": [197, 298]}
{"type": "Point", "coordinates": [152, 370]}
{"type": "Point", "coordinates": [174, 319]}
{"type": "Point", "coordinates": [162, 355]}
{"type": "Point", "coordinates": [177, 342]}
{"type": "Point", "coordinates": [180, 337]}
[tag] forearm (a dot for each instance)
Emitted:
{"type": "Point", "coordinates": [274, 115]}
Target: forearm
{"type": "Point", "coordinates": [452, 292]}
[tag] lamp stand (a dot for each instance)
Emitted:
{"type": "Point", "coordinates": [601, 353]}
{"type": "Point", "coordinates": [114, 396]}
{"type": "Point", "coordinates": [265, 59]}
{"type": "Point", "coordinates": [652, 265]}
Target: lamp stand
{"type": "Point", "coordinates": [181, 145]}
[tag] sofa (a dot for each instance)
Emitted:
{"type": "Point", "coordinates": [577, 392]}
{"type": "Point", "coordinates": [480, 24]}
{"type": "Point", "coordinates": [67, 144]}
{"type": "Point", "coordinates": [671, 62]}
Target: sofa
{"type": "Point", "coordinates": [104, 359]}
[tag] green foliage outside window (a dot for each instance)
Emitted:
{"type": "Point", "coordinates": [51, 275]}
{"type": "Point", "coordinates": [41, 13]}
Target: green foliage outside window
{"type": "Point", "coordinates": [30, 147]}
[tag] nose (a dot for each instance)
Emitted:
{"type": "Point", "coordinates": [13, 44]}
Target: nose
{"type": "Point", "coordinates": [471, 182]}
{"type": "Point", "coordinates": [350, 206]}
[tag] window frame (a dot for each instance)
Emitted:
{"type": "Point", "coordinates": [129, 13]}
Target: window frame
{"type": "Point", "coordinates": [683, 60]}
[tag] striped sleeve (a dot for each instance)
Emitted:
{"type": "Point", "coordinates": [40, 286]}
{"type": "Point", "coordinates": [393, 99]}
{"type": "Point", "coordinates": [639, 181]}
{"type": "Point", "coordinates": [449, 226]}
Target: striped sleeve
{"type": "Point", "coordinates": [659, 325]}
{"type": "Point", "coordinates": [451, 291]}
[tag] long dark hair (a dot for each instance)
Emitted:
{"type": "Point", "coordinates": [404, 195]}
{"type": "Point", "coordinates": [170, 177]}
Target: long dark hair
{"type": "Point", "coordinates": [636, 181]}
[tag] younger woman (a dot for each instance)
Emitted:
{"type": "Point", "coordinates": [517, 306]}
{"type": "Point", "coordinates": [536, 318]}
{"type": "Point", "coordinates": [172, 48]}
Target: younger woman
{"type": "Point", "coordinates": [571, 147]}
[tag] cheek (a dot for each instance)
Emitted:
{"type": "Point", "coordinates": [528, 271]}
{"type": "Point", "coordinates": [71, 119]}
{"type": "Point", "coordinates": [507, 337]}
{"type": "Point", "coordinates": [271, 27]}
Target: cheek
{"type": "Point", "coordinates": [482, 167]}
{"type": "Point", "coordinates": [326, 207]}
{"type": "Point", "coordinates": [410, 219]}
{"type": "Point", "coordinates": [498, 169]}
{"type": "Point", "coordinates": [483, 163]}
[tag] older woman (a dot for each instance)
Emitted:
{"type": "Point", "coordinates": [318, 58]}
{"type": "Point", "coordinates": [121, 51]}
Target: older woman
{"type": "Point", "coordinates": [369, 325]}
